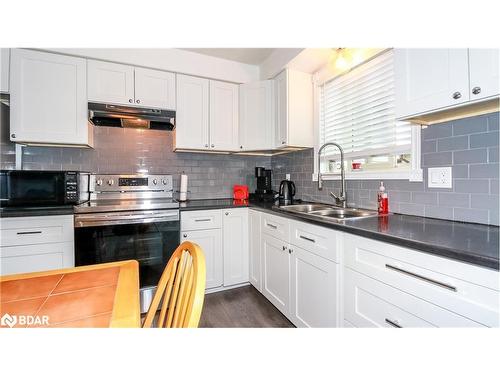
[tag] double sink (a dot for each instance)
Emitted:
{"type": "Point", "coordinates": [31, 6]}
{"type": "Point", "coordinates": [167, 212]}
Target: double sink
{"type": "Point", "coordinates": [326, 212]}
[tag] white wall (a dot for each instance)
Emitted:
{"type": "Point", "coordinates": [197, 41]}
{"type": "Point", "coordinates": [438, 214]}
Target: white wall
{"type": "Point", "coordinates": [277, 61]}
{"type": "Point", "coordinates": [171, 59]}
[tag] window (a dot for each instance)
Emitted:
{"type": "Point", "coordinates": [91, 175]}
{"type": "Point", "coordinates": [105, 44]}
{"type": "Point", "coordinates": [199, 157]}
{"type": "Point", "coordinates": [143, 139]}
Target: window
{"type": "Point", "coordinates": [357, 112]}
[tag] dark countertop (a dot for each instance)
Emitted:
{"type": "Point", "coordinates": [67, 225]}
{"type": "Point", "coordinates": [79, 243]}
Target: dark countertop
{"type": "Point", "coordinates": [467, 242]}
{"type": "Point", "coordinates": [39, 211]}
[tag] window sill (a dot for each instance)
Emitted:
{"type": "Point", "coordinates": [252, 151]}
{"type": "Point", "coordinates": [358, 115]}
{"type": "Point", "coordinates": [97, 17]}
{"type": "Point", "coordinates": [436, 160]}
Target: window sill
{"type": "Point", "coordinates": [411, 175]}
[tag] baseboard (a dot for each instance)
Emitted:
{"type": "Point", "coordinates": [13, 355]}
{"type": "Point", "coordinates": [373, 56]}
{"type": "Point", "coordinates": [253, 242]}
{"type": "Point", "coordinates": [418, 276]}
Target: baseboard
{"type": "Point", "coordinates": [222, 288]}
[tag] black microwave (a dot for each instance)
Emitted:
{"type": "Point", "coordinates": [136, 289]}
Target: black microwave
{"type": "Point", "coordinates": [43, 188]}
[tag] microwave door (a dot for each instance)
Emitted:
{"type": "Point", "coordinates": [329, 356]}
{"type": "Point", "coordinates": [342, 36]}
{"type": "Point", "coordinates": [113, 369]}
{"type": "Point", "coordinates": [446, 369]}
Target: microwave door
{"type": "Point", "coordinates": [35, 188]}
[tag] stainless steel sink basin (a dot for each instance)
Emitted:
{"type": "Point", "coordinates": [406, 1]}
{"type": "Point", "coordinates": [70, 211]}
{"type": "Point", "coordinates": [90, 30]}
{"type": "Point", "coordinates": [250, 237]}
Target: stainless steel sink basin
{"type": "Point", "coordinates": [305, 208]}
{"type": "Point", "coordinates": [326, 212]}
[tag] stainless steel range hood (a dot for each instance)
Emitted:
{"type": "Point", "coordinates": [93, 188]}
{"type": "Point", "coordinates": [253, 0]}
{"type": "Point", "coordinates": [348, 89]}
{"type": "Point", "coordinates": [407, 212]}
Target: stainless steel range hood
{"type": "Point", "coordinates": [131, 117]}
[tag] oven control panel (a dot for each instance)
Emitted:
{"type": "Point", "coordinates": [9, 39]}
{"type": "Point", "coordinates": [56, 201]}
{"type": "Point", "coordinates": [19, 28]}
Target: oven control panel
{"type": "Point", "coordinates": [131, 183]}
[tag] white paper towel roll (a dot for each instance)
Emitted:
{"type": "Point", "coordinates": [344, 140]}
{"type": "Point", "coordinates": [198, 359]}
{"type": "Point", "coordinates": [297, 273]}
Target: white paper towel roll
{"type": "Point", "coordinates": [184, 188]}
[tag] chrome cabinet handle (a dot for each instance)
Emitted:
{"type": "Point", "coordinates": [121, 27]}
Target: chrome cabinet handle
{"type": "Point", "coordinates": [283, 142]}
{"type": "Point", "coordinates": [13, 135]}
{"type": "Point", "coordinates": [284, 247]}
{"type": "Point", "coordinates": [308, 239]}
{"type": "Point", "coordinates": [227, 213]}
{"type": "Point", "coordinates": [130, 101]}
{"type": "Point", "coordinates": [198, 220]}
{"type": "Point", "coordinates": [241, 147]}
{"type": "Point", "coordinates": [423, 278]}
{"type": "Point", "coordinates": [476, 90]}
{"type": "Point", "coordinates": [290, 251]}
{"type": "Point", "coordinates": [32, 232]}
{"type": "Point", "coordinates": [206, 145]}
{"type": "Point", "coordinates": [457, 95]}
{"type": "Point", "coordinates": [213, 145]}
{"type": "Point", "coordinates": [272, 226]}
{"type": "Point", "coordinates": [392, 323]}
{"type": "Point", "coordinates": [137, 101]}
{"type": "Point", "coordinates": [184, 235]}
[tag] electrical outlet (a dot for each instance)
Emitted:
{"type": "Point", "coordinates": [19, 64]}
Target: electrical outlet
{"type": "Point", "coordinates": [287, 176]}
{"type": "Point", "coordinates": [439, 178]}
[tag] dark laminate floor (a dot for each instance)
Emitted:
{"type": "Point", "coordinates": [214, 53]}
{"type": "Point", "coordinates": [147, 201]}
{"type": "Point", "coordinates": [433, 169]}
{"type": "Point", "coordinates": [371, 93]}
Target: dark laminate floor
{"type": "Point", "coordinates": [242, 307]}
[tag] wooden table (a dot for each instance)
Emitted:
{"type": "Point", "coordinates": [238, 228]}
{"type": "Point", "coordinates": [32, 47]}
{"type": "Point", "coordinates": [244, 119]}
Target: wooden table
{"type": "Point", "coordinates": [102, 295]}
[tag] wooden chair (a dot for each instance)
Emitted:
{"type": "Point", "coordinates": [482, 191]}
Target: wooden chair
{"type": "Point", "coordinates": [182, 289]}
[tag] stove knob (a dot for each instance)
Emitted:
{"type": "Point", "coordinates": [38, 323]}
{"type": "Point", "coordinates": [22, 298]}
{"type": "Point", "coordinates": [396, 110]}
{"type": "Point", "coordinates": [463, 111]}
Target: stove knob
{"type": "Point", "coordinates": [110, 182]}
{"type": "Point", "coordinates": [155, 181]}
{"type": "Point", "coordinates": [99, 182]}
{"type": "Point", "coordinates": [164, 181]}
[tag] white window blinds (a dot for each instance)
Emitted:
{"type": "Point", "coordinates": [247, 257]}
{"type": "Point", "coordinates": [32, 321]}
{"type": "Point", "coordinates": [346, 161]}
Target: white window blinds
{"type": "Point", "coordinates": [357, 111]}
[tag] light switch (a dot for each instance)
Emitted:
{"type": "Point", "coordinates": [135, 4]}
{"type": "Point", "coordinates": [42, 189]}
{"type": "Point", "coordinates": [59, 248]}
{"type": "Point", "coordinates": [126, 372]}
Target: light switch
{"type": "Point", "coordinates": [288, 177]}
{"type": "Point", "coordinates": [439, 178]}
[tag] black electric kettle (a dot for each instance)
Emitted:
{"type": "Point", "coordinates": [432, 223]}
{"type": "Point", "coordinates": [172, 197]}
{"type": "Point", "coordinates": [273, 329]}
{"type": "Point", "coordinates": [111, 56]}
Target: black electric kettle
{"type": "Point", "coordinates": [286, 192]}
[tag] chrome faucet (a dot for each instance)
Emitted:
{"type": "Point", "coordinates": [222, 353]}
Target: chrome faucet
{"type": "Point", "coordinates": [340, 200]}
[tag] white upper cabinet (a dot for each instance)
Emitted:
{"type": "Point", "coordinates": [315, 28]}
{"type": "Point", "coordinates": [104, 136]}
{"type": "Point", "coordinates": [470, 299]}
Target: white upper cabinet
{"type": "Point", "coordinates": [294, 109]}
{"type": "Point", "coordinates": [438, 85]}
{"type": "Point", "coordinates": [110, 83]}
{"type": "Point", "coordinates": [257, 116]}
{"type": "Point", "coordinates": [223, 116]}
{"type": "Point", "coordinates": [192, 118]}
{"type": "Point", "coordinates": [484, 77]}
{"type": "Point", "coordinates": [427, 79]}
{"type": "Point", "coordinates": [154, 88]}
{"type": "Point", "coordinates": [235, 245]}
{"type": "Point", "coordinates": [4, 69]}
{"type": "Point", "coordinates": [48, 99]}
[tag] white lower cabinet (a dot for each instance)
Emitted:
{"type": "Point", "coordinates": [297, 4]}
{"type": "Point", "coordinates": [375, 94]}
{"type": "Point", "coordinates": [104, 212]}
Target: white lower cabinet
{"type": "Point", "coordinates": [314, 290]}
{"type": "Point", "coordinates": [235, 245]}
{"type": "Point", "coordinates": [41, 243]}
{"type": "Point", "coordinates": [254, 242]}
{"type": "Point", "coordinates": [223, 237]}
{"type": "Point", "coordinates": [276, 272]}
{"type": "Point", "coordinates": [210, 240]}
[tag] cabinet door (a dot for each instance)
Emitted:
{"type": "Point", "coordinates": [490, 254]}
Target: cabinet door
{"type": "Point", "coordinates": [257, 116]}
{"type": "Point", "coordinates": [4, 69]}
{"type": "Point", "coordinates": [48, 98]}
{"type": "Point", "coordinates": [110, 83]}
{"type": "Point", "coordinates": [254, 235]}
{"type": "Point", "coordinates": [484, 77]}
{"type": "Point", "coordinates": [210, 242]}
{"type": "Point", "coordinates": [235, 245]}
{"type": "Point", "coordinates": [276, 272]}
{"type": "Point", "coordinates": [223, 116]}
{"type": "Point", "coordinates": [191, 131]}
{"type": "Point", "coordinates": [154, 88]}
{"type": "Point", "coordinates": [429, 79]}
{"type": "Point", "coordinates": [281, 95]}
{"type": "Point", "coordinates": [314, 293]}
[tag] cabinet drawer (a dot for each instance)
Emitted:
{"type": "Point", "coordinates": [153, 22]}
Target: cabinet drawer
{"type": "Point", "coordinates": [276, 226]}
{"type": "Point", "coordinates": [369, 303]}
{"type": "Point", "coordinates": [36, 230]}
{"type": "Point", "coordinates": [39, 257]}
{"type": "Point", "coordinates": [318, 240]}
{"type": "Point", "coordinates": [196, 220]}
{"type": "Point", "coordinates": [437, 280]}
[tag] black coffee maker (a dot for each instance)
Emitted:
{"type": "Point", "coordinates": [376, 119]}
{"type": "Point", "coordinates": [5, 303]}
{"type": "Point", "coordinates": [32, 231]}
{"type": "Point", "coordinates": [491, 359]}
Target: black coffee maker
{"type": "Point", "coordinates": [264, 191]}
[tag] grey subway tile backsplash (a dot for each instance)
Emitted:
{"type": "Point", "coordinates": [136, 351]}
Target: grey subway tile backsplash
{"type": "Point", "coordinates": [475, 173]}
{"type": "Point", "coordinates": [469, 146]}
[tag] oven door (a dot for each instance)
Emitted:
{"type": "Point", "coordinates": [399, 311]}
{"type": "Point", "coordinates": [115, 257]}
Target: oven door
{"type": "Point", "coordinates": [150, 237]}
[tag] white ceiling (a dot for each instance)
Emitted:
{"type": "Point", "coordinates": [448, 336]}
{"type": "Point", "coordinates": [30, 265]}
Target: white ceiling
{"type": "Point", "coordinates": [252, 56]}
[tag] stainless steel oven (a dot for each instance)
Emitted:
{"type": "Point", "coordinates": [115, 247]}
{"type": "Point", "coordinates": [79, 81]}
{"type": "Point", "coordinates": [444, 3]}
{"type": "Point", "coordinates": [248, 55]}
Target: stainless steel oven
{"type": "Point", "coordinates": [121, 224]}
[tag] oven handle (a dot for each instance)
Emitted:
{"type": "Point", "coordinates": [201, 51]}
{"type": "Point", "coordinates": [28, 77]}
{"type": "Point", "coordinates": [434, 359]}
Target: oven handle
{"type": "Point", "coordinates": [94, 220]}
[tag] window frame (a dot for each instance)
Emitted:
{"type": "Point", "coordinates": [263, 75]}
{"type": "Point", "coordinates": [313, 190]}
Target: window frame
{"type": "Point", "coordinates": [414, 173]}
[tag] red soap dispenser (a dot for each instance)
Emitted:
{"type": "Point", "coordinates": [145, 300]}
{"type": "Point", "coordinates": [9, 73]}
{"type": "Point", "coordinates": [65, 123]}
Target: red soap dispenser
{"type": "Point", "coordinates": [382, 200]}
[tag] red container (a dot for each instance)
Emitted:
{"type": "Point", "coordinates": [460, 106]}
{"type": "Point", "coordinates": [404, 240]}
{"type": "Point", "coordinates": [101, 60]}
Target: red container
{"type": "Point", "coordinates": [240, 192]}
